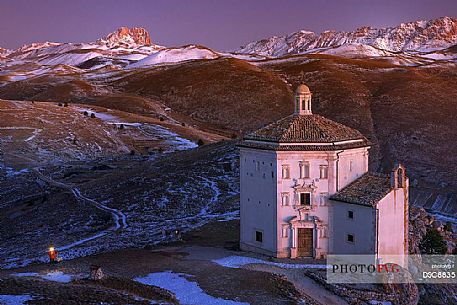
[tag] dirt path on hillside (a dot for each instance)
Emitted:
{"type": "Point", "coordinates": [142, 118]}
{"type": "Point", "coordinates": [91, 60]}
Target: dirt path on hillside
{"type": "Point", "coordinates": [305, 285]}
{"type": "Point", "coordinates": [207, 256]}
{"type": "Point", "coordinates": [120, 220]}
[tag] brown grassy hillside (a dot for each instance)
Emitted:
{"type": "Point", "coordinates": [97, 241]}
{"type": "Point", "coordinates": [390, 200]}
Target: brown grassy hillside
{"type": "Point", "coordinates": [407, 112]}
{"type": "Point", "coordinates": [226, 93]}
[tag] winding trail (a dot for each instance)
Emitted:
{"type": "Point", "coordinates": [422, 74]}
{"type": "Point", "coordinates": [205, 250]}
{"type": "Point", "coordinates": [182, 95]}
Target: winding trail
{"type": "Point", "coordinates": [204, 214]}
{"type": "Point", "coordinates": [304, 285]}
{"type": "Point", "coordinates": [35, 132]}
{"type": "Point", "coordinates": [120, 219]}
{"type": "Point", "coordinates": [217, 193]}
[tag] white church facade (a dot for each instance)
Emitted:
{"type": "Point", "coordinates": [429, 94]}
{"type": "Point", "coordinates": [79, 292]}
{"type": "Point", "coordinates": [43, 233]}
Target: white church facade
{"type": "Point", "coordinates": [306, 191]}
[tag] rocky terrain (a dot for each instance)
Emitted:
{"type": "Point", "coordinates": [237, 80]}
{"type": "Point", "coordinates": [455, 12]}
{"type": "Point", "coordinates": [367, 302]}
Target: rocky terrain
{"type": "Point", "coordinates": [407, 112]}
{"type": "Point", "coordinates": [121, 143]}
{"type": "Point", "coordinates": [128, 201]}
{"type": "Point", "coordinates": [44, 133]}
{"type": "Point", "coordinates": [418, 36]}
{"type": "Point", "coordinates": [127, 38]}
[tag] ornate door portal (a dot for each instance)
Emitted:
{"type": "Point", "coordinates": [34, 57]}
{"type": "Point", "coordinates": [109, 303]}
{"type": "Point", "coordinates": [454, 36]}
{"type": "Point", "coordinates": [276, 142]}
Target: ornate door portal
{"type": "Point", "coordinates": [305, 242]}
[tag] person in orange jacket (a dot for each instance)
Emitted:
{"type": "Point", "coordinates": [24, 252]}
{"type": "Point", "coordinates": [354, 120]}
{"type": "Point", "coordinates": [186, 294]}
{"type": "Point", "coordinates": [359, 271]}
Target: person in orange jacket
{"type": "Point", "coordinates": [52, 252]}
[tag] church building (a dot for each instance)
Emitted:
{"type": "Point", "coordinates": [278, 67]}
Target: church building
{"type": "Point", "coordinates": [306, 191]}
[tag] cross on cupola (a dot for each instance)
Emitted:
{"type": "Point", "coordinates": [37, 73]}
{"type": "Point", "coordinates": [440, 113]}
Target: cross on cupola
{"type": "Point", "coordinates": [303, 100]}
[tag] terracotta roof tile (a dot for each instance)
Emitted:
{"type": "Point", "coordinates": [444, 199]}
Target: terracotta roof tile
{"type": "Point", "coordinates": [305, 128]}
{"type": "Point", "coordinates": [366, 190]}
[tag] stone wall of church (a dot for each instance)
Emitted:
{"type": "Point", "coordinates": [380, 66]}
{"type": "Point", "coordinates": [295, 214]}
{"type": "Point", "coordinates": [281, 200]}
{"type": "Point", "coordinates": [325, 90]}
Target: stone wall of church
{"type": "Point", "coordinates": [393, 223]}
{"type": "Point", "coordinates": [318, 188]}
{"type": "Point", "coordinates": [258, 179]}
{"type": "Point", "coordinates": [352, 164]}
{"type": "Point", "coordinates": [362, 227]}
{"type": "Point", "coordinates": [264, 184]}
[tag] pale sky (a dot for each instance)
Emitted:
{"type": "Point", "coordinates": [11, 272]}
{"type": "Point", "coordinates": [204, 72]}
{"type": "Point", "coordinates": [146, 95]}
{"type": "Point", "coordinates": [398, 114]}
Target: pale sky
{"type": "Point", "coordinates": [218, 24]}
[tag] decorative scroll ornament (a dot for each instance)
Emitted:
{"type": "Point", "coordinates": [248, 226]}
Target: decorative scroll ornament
{"type": "Point", "coordinates": [305, 187]}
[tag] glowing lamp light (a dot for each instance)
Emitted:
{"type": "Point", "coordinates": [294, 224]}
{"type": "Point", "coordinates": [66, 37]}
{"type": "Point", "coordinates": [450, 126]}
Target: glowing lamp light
{"type": "Point", "coordinates": [51, 249]}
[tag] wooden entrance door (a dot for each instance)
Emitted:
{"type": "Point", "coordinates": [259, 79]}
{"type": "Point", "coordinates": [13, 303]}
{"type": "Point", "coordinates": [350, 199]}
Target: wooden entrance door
{"type": "Point", "coordinates": [305, 242]}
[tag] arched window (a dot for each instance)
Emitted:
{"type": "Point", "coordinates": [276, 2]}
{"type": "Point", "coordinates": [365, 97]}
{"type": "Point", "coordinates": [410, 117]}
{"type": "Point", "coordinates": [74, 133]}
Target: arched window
{"type": "Point", "coordinates": [400, 177]}
{"type": "Point", "coordinates": [297, 104]}
{"type": "Point", "coordinates": [304, 170]}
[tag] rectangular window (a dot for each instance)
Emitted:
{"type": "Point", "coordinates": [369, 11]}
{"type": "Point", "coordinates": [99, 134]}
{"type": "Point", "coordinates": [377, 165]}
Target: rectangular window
{"type": "Point", "coordinates": [324, 232]}
{"type": "Point", "coordinates": [285, 231]}
{"type": "Point", "coordinates": [350, 166]}
{"type": "Point", "coordinates": [323, 199]}
{"type": "Point", "coordinates": [257, 166]}
{"type": "Point", "coordinates": [304, 170]}
{"type": "Point", "coordinates": [351, 214]}
{"type": "Point", "coordinates": [350, 238]}
{"type": "Point", "coordinates": [258, 236]}
{"type": "Point", "coordinates": [323, 169]}
{"type": "Point", "coordinates": [285, 199]}
{"type": "Point", "coordinates": [305, 198]}
{"type": "Point", "coordinates": [285, 172]}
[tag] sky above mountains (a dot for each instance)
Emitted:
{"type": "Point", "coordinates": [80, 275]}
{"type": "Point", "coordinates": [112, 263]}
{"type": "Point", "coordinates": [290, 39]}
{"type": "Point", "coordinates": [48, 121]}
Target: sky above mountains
{"type": "Point", "coordinates": [222, 25]}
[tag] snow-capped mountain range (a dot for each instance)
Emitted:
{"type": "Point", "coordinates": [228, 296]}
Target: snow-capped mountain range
{"type": "Point", "coordinates": [417, 36]}
{"type": "Point", "coordinates": [121, 44]}
{"type": "Point", "coordinates": [414, 43]}
{"type": "Point", "coordinates": [123, 48]}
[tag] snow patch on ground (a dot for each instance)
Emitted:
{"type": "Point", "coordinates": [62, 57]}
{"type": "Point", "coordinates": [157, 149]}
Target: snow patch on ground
{"type": "Point", "coordinates": [239, 261]}
{"type": "Point", "coordinates": [15, 78]}
{"type": "Point", "coordinates": [55, 276]}
{"type": "Point", "coordinates": [356, 50]}
{"type": "Point", "coordinates": [174, 55]}
{"type": "Point", "coordinates": [22, 274]}
{"type": "Point", "coordinates": [248, 57]}
{"type": "Point", "coordinates": [134, 57]}
{"type": "Point", "coordinates": [100, 115]}
{"type": "Point", "coordinates": [10, 172]}
{"type": "Point", "coordinates": [10, 299]}
{"type": "Point", "coordinates": [109, 118]}
{"type": "Point", "coordinates": [172, 139]}
{"type": "Point", "coordinates": [187, 292]}
{"type": "Point", "coordinates": [175, 141]}
{"type": "Point", "coordinates": [438, 56]}
{"type": "Point", "coordinates": [126, 124]}
{"type": "Point", "coordinates": [72, 59]}
{"type": "Point", "coordinates": [374, 302]}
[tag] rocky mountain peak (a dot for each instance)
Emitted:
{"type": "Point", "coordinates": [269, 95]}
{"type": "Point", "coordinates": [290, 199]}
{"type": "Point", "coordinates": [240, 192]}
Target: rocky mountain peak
{"type": "Point", "coordinates": [421, 36]}
{"type": "Point", "coordinates": [127, 37]}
